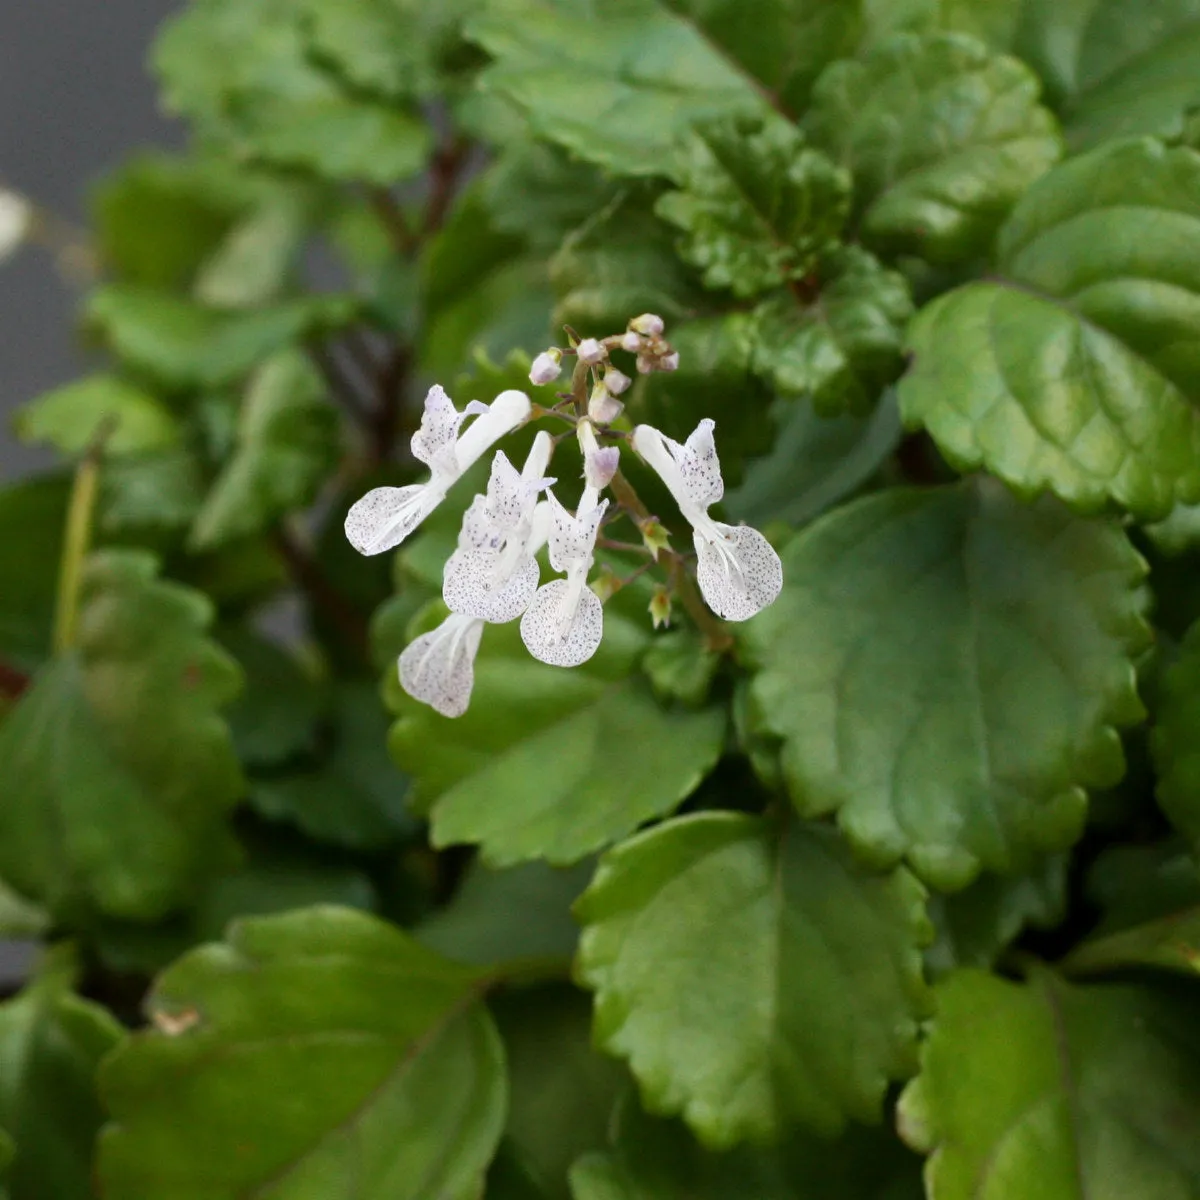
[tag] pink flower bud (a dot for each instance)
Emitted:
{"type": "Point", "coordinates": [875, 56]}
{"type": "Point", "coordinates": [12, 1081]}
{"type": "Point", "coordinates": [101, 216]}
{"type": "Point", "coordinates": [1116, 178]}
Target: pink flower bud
{"type": "Point", "coordinates": [600, 466]}
{"type": "Point", "coordinates": [546, 367]}
{"type": "Point", "coordinates": [632, 342]}
{"type": "Point", "coordinates": [616, 381]}
{"type": "Point", "coordinates": [645, 364]}
{"type": "Point", "coordinates": [649, 324]}
{"type": "Point", "coordinates": [591, 352]}
{"type": "Point", "coordinates": [669, 362]}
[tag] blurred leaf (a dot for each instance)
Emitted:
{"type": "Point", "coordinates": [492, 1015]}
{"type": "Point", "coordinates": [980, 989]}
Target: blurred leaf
{"type": "Point", "coordinates": [1074, 372]}
{"type": "Point", "coordinates": [118, 770]}
{"type": "Point", "coordinates": [1042, 1089]}
{"type": "Point", "coordinates": [242, 73]}
{"type": "Point", "coordinates": [561, 1090]}
{"type": "Point", "coordinates": [681, 667]}
{"type": "Point", "coordinates": [353, 795]}
{"type": "Point", "coordinates": [484, 779]}
{"type": "Point", "coordinates": [815, 463]}
{"type": "Point", "coordinates": [19, 918]}
{"type": "Point", "coordinates": [143, 494]}
{"type": "Point", "coordinates": [906, 666]}
{"type": "Point", "coordinates": [758, 207]}
{"type": "Point", "coordinates": [783, 914]}
{"type": "Point", "coordinates": [287, 444]}
{"type": "Point", "coordinates": [68, 417]}
{"type": "Point", "coordinates": [618, 92]}
{"type": "Point", "coordinates": [1174, 743]}
{"type": "Point", "coordinates": [942, 137]}
{"type": "Point", "coordinates": [317, 1053]}
{"type": "Point", "coordinates": [518, 920]}
{"type": "Point", "coordinates": [841, 349]}
{"type": "Point", "coordinates": [51, 1042]}
{"type": "Point", "coordinates": [653, 1159]}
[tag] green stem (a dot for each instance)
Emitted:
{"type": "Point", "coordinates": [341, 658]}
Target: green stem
{"type": "Point", "coordinates": [78, 537]}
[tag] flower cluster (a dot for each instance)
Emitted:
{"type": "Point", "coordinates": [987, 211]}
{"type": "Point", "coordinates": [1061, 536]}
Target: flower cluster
{"type": "Point", "coordinates": [493, 576]}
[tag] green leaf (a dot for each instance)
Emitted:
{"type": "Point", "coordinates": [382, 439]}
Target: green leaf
{"type": "Point", "coordinates": [517, 920]}
{"type": "Point", "coordinates": [974, 926]}
{"type": "Point", "coordinates": [942, 137]}
{"type": "Point", "coordinates": [815, 463]}
{"type": "Point", "coordinates": [51, 1042]}
{"type": "Point", "coordinates": [945, 666]}
{"type": "Point", "coordinates": [658, 1160]}
{"type": "Point", "coordinates": [790, 993]}
{"type": "Point", "coordinates": [484, 777]}
{"type": "Point", "coordinates": [182, 344]}
{"type": "Point", "coordinates": [561, 1091]}
{"type": "Point", "coordinates": [758, 207]}
{"type": "Point", "coordinates": [619, 92]}
{"type": "Point", "coordinates": [681, 666]}
{"type": "Point", "coordinates": [317, 1053]}
{"type": "Point", "coordinates": [1173, 741]}
{"type": "Point", "coordinates": [844, 346]}
{"type": "Point", "coordinates": [276, 715]}
{"type": "Point", "coordinates": [787, 43]}
{"type": "Point", "coordinates": [352, 796]}
{"type": "Point", "coordinates": [1074, 373]}
{"type": "Point", "coordinates": [118, 769]}
{"type": "Point", "coordinates": [241, 71]}
{"type": "Point", "coordinates": [146, 494]}
{"type": "Point", "coordinates": [287, 444]}
{"type": "Point", "coordinates": [68, 417]}
{"type": "Point", "coordinates": [1042, 1089]}
{"type": "Point", "coordinates": [33, 513]}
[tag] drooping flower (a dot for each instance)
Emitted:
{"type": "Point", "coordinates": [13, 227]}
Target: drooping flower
{"type": "Point", "coordinates": [564, 622]}
{"type": "Point", "coordinates": [384, 517]}
{"type": "Point", "coordinates": [737, 569]}
{"type": "Point", "coordinates": [547, 367]}
{"type": "Point", "coordinates": [493, 574]}
{"type": "Point", "coordinates": [438, 668]}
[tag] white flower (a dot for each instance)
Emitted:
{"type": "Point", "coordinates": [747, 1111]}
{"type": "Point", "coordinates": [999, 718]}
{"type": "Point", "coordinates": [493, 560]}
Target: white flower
{"type": "Point", "coordinates": [649, 324]}
{"type": "Point", "coordinates": [493, 574]}
{"type": "Point", "coordinates": [565, 621]}
{"type": "Point", "coordinates": [616, 381]}
{"type": "Point", "coordinates": [603, 406]}
{"type": "Point", "coordinates": [737, 569]}
{"type": "Point", "coordinates": [599, 464]}
{"type": "Point", "coordinates": [591, 352]}
{"type": "Point", "coordinates": [546, 367]}
{"type": "Point", "coordinates": [16, 218]}
{"type": "Point", "coordinates": [384, 517]}
{"type": "Point", "coordinates": [438, 668]}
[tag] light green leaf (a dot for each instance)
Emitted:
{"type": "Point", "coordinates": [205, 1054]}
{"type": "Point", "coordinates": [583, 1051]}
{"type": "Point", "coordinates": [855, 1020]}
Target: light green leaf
{"type": "Point", "coordinates": [618, 92]}
{"type": "Point", "coordinates": [142, 495]}
{"type": "Point", "coordinates": [241, 71]}
{"type": "Point", "coordinates": [1173, 741]}
{"type": "Point", "coordinates": [815, 463]}
{"type": "Point", "coordinates": [51, 1042]}
{"type": "Point", "coordinates": [1075, 373]}
{"type": "Point", "coordinates": [317, 1053]}
{"type": "Point", "coordinates": [945, 667]}
{"type": "Point", "coordinates": [758, 207]}
{"type": "Point", "coordinates": [118, 769]}
{"type": "Point", "coordinates": [561, 1090]}
{"type": "Point", "coordinates": [19, 918]}
{"type": "Point", "coordinates": [681, 667]}
{"type": "Point", "coordinates": [517, 920]}
{"type": "Point", "coordinates": [653, 1159]}
{"type": "Point", "coordinates": [352, 795]}
{"type": "Point", "coordinates": [381, 46]}
{"type": "Point", "coordinates": [287, 444]}
{"type": "Point", "coordinates": [68, 417]}
{"type": "Point", "coordinates": [484, 777]}
{"type": "Point", "coordinates": [942, 137]}
{"type": "Point", "coordinates": [844, 345]}
{"type": "Point", "coordinates": [754, 977]}
{"type": "Point", "coordinates": [1042, 1089]}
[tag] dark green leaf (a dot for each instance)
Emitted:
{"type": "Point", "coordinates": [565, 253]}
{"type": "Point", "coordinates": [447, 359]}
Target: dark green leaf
{"type": "Point", "coordinates": [754, 978]}
{"type": "Point", "coordinates": [318, 1053]}
{"type": "Point", "coordinates": [144, 494]}
{"type": "Point", "coordinates": [1043, 1089]}
{"type": "Point", "coordinates": [1174, 741]}
{"type": "Point", "coordinates": [942, 136]}
{"type": "Point", "coordinates": [51, 1042]}
{"type": "Point", "coordinates": [757, 207]}
{"type": "Point", "coordinates": [118, 769]}
{"type": "Point", "coordinates": [681, 667]}
{"type": "Point", "coordinates": [840, 349]}
{"type": "Point", "coordinates": [32, 516]}
{"type": "Point", "coordinates": [945, 667]}
{"type": "Point", "coordinates": [1076, 374]}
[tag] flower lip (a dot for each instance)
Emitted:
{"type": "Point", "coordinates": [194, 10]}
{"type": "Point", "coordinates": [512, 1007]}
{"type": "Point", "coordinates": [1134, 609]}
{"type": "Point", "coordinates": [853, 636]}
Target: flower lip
{"type": "Point", "coordinates": [438, 668]}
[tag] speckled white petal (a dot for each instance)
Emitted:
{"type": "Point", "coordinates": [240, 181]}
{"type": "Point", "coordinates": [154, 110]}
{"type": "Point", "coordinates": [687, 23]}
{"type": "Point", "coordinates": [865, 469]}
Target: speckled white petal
{"type": "Point", "coordinates": [438, 668]}
{"type": "Point", "coordinates": [697, 459]}
{"type": "Point", "coordinates": [472, 585]}
{"type": "Point", "coordinates": [385, 516]}
{"type": "Point", "coordinates": [543, 630]}
{"type": "Point", "coordinates": [439, 426]}
{"type": "Point", "coordinates": [572, 539]}
{"type": "Point", "coordinates": [738, 571]}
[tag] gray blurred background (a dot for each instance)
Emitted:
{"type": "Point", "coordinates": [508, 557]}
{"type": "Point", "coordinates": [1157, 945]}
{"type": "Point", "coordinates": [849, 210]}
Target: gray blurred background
{"type": "Point", "coordinates": [75, 97]}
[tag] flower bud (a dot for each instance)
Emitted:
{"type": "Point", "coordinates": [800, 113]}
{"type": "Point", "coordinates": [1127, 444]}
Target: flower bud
{"type": "Point", "coordinates": [603, 406]}
{"type": "Point", "coordinates": [591, 352]}
{"type": "Point", "coordinates": [632, 342]}
{"type": "Point", "coordinates": [16, 217]}
{"type": "Point", "coordinates": [546, 367]}
{"type": "Point", "coordinates": [600, 466]}
{"type": "Point", "coordinates": [660, 607]}
{"type": "Point", "coordinates": [669, 362]}
{"type": "Point", "coordinates": [645, 364]}
{"type": "Point", "coordinates": [616, 381]}
{"type": "Point", "coordinates": [649, 324]}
